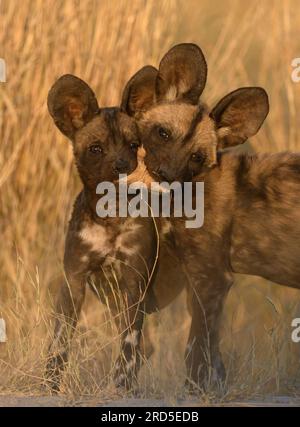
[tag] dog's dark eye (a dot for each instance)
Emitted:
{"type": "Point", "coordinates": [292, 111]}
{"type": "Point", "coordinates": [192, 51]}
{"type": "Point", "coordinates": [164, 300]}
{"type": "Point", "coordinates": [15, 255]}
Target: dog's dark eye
{"type": "Point", "coordinates": [134, 146]}
{"type": "Point", "coordinates": [198, 157]}
{"type": "Point", "coordinates": [163, 133]}
{"type": "Point", "coordinates": [95, 149]}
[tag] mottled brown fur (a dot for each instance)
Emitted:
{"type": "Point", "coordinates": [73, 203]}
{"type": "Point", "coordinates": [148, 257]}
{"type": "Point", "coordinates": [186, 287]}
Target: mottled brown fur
{"type": "Point", "coordinates": [252, 207]}
{"type": "Point", "coordinates": [118, 257]}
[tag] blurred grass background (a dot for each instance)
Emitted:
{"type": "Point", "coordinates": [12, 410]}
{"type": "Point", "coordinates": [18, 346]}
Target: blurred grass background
{"type": "Point", "coordinates": [105, 42]}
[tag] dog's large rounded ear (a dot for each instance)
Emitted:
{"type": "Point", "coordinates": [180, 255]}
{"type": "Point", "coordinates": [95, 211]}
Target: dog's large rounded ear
{"type": "Point", "coordinates": [71, 103]}
{"type": "Point", "coordinates": [182, 74]}
{"type": "Point", "coordinates": [239, 115]}
{"type": "Point", "coordinates": [139, 92]}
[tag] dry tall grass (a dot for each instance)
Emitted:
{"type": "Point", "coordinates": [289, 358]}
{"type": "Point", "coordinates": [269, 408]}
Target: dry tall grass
{"type": "Point", "coordinates": [104, 42]}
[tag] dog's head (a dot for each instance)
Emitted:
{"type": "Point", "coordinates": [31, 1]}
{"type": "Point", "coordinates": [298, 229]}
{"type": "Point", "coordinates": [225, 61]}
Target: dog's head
{"type": "Point", "coordinates": [105, 141]}
{"type": "Point", "coordinates": [180, 134]}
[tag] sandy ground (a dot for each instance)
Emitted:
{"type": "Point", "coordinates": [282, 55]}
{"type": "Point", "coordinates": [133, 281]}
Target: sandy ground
{"type": "Point", "coordinates": [58, 401]}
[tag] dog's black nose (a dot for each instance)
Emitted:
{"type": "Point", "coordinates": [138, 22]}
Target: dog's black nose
{"type": "Point", "coordinates": [121, 165]}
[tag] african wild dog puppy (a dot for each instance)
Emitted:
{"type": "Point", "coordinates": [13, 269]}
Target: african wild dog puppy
{"type": "Point", "coordinates": [252, 204]}
{"type": "Point", "coordinates": [117, 256]}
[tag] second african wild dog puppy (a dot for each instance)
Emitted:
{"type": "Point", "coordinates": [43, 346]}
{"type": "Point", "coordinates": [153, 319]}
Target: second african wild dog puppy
{"type": "Point", "coordinates": [116, 255]}
{"type": "Point", "coordinates": [252, 204]}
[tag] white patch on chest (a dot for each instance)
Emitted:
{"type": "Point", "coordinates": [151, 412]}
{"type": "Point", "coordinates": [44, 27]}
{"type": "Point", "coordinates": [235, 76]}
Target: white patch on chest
{"type": "Point", "coordinates": [97, 237]}
{"type": "Point", "coordinates": [110, 241]}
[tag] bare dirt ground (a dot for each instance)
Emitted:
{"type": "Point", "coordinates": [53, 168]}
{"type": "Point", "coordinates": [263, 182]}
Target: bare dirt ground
{"type": "Point", "coordinates": [59, 401]}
